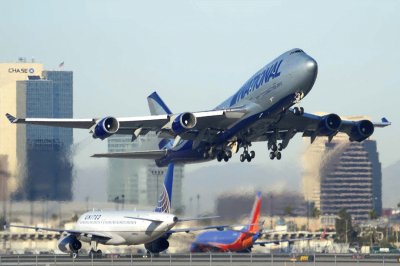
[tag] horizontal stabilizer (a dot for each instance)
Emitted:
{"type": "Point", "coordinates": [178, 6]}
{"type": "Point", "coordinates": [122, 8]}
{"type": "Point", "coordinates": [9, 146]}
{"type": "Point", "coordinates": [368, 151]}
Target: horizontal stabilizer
{"type": "Point", "coordinates": [156, 154]}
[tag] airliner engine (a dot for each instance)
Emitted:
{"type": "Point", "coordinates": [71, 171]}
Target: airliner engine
{"type": "Point", "coordinates": [158, 245]}
{"type": "Point", "coordinates": [105, 128]}
{"type": "Point", "coordinates": [329, 125]}
{"type": "Point", "coordinates": [183, 123]}
{"type": "Point", "coordinates": [69, 243]}
{"type": "Point", "coordinates": [361, 130]}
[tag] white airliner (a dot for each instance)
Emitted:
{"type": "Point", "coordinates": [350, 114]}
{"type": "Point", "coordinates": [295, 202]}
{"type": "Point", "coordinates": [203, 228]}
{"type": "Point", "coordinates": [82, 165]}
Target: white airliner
{"type": "Point", "coordinates": [151, 228]}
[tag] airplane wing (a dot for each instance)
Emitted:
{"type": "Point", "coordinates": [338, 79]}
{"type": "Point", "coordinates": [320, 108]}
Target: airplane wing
{"type": "Point", "coordinates": [199, 122]}
{"type": "Point", "coordinates": [97, 235]}
{"type": "Point", "coordinates": [156, 154]}
{"type": "Point", "coordinates": [263, 243]}
{"type": "Point", "coordinates": [311, 125]}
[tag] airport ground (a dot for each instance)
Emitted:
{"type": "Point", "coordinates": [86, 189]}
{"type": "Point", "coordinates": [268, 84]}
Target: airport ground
{"type": "Point", "coordinates": [212, 259]}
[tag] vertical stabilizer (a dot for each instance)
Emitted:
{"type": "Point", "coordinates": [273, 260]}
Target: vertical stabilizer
{"type": "Point", "coordinates": [164, 201]}
{"type": "Point", "coordinates": [254, 226]}
{"type": "Point", "coordinates": [157, 105]}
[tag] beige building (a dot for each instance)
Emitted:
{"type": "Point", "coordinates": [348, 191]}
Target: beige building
{"type": "Point", "coordinates": [343, 175]}
{"type": "Point", "coordinates": [10, 135]}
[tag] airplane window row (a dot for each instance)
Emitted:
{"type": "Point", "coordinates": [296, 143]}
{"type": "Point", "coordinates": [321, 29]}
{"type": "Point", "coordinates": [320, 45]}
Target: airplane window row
{"type": "Point", "coordinates": [108, 222]}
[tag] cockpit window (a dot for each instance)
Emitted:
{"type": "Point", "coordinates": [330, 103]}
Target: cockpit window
{"type": "Point", "coordinates": [297, 51]}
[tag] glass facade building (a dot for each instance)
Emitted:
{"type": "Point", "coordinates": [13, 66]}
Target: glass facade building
{"type": "Point", "coordinates": [140, 181]}
{"type": "Point", "coordinates": [47, 172]}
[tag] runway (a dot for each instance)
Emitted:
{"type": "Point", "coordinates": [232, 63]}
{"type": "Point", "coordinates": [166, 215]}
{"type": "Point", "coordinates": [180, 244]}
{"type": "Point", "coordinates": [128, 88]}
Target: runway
{"type": "Point", "coordinates": [211, 259]}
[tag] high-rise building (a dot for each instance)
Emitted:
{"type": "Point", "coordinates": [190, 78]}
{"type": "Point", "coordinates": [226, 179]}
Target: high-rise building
{"type": "Point", "coordinates": [343, 175]}
{"type": "Point", "coordinates": [10, 144]}
{"type": "Point", "coordinates": [139, 181]}
{"type": "Point", "coordinates": [38, 156]}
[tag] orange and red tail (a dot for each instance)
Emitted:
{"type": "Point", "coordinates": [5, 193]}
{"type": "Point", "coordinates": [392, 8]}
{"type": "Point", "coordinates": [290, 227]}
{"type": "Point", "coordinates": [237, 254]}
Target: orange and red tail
{"type": "Point", "coordinates": [254, 226]}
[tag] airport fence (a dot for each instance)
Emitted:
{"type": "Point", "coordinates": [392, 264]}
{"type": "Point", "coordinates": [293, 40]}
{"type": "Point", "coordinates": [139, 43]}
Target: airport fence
{"type": "Point", "coordinates": [211, 259]}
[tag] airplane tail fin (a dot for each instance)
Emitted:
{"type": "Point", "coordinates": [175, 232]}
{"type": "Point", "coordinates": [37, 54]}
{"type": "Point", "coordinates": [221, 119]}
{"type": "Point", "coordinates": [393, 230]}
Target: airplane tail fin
{"type": "Point", "coordinates": [157, 105]}
{"type": "Point", "coordinates": [164, 200]}
{"type": "Point", "coordinates": [254, 226]}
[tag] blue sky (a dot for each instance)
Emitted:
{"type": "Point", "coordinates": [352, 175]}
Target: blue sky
{"type": "Point", "coordinates": [197, 53]}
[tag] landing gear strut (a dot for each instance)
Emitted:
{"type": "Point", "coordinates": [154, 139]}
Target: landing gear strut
{"type": "Point", "coordinates": [94, 252]}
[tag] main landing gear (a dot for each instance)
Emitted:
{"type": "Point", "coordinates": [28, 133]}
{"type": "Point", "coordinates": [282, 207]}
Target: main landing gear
{"type": "Point", "coordinates": [246, 155]}
{"type": "Point", "coordinates": [94, 252]}
{"type": "Point", "coordinates": [224, 155]}
{"type": "Point", "coordinates": [298, 111]}
{"type": "Point", "coordinates": [276, 151]}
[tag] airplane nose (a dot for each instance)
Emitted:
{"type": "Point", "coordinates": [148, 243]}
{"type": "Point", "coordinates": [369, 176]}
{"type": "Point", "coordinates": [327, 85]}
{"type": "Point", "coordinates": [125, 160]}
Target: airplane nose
{"type": "Point", "coordinates": [312, 66]}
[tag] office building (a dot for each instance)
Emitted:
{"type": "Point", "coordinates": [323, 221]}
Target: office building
{"type": "Point", "coordinates": [11, 142]}
{"type": "Point", "coordinates": [139, 181]}
{"type": "Point", "coordinates": [343, 174]}
{"type": "Point", "coordinates": [38, 157]}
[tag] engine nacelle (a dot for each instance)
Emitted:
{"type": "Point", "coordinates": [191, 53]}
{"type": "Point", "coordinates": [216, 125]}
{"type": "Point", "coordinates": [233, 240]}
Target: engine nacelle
{"type": "Point", "coordinates": [69, 244]}
{"type": "Point", "coordinates": [361, 130]}
{"type": "Point", "coordinates": [158, 245]}
{"type": "Point", "coordinates": [183, 123]}
{"type": "Point", "coordinates": [105, 128]}
{"type": "Point", "coordinates": [329, 125]}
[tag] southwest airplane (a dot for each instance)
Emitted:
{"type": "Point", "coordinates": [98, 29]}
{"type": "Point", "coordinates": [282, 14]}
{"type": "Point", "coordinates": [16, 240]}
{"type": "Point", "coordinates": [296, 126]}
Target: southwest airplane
{"type": "Point", "coordinates": [231, 240]}
{"type": "Point", "coordinates": [239, 240]}
{"type": "Point", "coordinates": [151, 228]}
{"type": "Point", "coordinates": [261, 110]}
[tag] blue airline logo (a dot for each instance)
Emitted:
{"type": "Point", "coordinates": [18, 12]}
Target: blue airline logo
{"type": "Point", "coordinates": [257, 81]}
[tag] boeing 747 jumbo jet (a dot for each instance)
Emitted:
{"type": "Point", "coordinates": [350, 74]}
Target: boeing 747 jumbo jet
{"type": "Point", "coordinates": [261, 110]}
{"type": "Point", "coordinates": [124, 227]}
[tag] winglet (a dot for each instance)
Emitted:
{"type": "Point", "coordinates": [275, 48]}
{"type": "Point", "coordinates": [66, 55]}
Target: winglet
{"type": "Point", "coordinates": [384, 123]}
{"type": "Point", "coordinates": [11, 118]}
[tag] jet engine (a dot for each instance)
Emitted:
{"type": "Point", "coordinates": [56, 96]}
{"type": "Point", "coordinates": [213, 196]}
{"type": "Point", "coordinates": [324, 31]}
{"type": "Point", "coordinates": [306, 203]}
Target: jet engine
{"type": "Point", "coordinates": [183, 123]}
{"type": "Point", "coordinates": [361, 130]}
{"type": "Point", "coordinates": [105, 128]}
{"type": "Point", "coordinates": [158, 245]}
{"type": "Point", "coordinates": [69, 243]}
{"type": "Point", "coordinates": [329, 125]}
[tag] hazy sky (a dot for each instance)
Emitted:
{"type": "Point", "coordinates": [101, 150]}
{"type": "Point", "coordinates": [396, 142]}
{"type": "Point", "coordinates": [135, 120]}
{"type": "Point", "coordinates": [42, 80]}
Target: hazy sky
{"type": "Point", "coordinates": [197, 53]}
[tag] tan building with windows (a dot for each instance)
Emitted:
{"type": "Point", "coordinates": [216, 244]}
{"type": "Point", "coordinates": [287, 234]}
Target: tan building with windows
{"type": "Point", "coordinates": [10, 135]}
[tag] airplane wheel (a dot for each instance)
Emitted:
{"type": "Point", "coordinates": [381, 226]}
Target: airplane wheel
{"type": "Point", "coordinates": [242, 158]}
{"type": "Point", "coordinates": [248, 157]}
{"type": "Point", "coordinates": [272, 155]}
{"type": "Point", "coordinates": [274, 147]}
{"type": "Point", "coordinates": [301, 110]}
{"type": "Point", "coordinates": [228, 154]}
{"type": "Point", "coordinates": [226, 158]}
{"type": "Point", "coordinates": [280, 147]}
{"type": "Point", "coordinates": [219, 157]}
{"type": "Point", "coordinates": [278, 155]}
{"type": "Point", "coordinates": [296, 111]}
{"type": "Point", "coordinates": [252, 154]}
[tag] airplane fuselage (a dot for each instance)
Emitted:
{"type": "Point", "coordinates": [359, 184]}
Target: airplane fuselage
{"type": "Point", "coordinates": [125, 227]}
{"type": "Point", "coordinates": [223, 241]}
{"type": "Point", "coordinates": [269, 92]}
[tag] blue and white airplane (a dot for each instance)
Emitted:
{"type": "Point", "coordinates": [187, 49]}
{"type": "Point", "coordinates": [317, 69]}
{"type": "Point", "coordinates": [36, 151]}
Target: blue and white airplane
{"type": "Point", "coordinates": [127, 227]}
{"type": "Point", "coordinates": [261, 110]}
